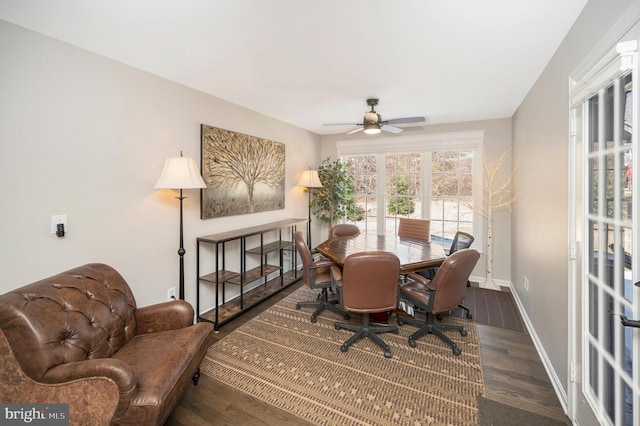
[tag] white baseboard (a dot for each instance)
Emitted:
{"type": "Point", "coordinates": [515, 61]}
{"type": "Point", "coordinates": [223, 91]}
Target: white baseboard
{"type": "Point", "coordinates": [499, 284]}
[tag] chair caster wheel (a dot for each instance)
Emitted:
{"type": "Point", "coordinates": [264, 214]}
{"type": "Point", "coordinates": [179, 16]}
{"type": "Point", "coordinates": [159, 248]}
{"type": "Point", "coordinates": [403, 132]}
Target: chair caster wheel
{"type": "Point", "coordinates": [469, 315]}
{"type": "Point", "coordinates": [412, 342]}
{"type": "Point", "coordinates": [396, 331]}
{"type": "Point", "coordinates": [400, 322]}
{"type": "Point", "coordinates": [456, 351]}
{"type": "Point", "coordinates": [463, 333]}
{"type": "Point", "coordinates": [439, 317]}
{"type": "Point", "coordinates": [346, 316]}
{"type": "Point", "coordinates": [344, 348]}
{"type": "Point", "coordinates": [313, 320]}
{"type": "Point", "coordinates": [387, 354]}
{"type": "Point", "coordinates": [297, 306]}
{"type": "Point", "coordinates": [337, 327]}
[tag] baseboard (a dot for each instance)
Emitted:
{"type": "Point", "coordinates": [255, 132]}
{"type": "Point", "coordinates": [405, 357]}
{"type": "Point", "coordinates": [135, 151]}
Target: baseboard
{"type": "Point", "coordinates": [500, 285]}
{"type": "Point", "coordinates": [553, 377]}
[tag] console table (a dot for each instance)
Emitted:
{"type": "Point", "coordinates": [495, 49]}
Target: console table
{"type": "Point", "coordinates": [220, 276]}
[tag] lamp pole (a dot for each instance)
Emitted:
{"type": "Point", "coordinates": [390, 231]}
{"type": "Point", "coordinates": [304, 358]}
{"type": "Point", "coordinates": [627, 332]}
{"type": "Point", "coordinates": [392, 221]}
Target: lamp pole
{"type": "Point", "coordinates": [309, 221]}
{"type": "Point", "coordinates": [309, 180]}
{"type": "Point", "coordinates": [181, 250]}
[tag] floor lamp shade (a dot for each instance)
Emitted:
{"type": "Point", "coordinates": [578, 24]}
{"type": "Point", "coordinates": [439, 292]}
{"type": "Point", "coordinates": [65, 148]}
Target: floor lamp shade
{"type": "Point", "coordinates": [180, 173]}
{"type": "Point", "coordinates": [309, 179]}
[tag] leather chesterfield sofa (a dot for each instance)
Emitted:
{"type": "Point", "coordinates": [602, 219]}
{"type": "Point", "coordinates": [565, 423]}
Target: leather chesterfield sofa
{"type": "Point", "coordinates": [78, 338]}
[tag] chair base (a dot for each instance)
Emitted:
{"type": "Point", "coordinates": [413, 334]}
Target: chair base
{"type": "Point", "coordinates": [322, 304]}
{"type": "Point", "coordinates": [366, 329]}
{"type": "Point", "coordinates": [429, 327]}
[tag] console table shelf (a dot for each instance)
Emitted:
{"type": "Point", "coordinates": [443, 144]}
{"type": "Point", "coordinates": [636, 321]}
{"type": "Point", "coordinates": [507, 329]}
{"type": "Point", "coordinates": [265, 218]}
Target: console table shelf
{"type": "Point", "coordinates": [225, 310]}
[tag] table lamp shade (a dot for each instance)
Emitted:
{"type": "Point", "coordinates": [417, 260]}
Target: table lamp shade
{"type": "Point", "coordinates": [310, 179]}
{"type": "Point", "coordinates": [180, 173]}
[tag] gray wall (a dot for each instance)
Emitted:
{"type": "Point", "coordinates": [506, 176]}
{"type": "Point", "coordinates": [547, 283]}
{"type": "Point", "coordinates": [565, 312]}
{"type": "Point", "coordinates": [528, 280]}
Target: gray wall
{"type": "Point", "coordinates": [86, 136]}
{"type": "Point", "coordinates": [540, 228]}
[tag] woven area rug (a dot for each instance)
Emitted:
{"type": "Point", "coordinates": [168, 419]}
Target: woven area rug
{"type": "Point", "coordinates": [283, 359]}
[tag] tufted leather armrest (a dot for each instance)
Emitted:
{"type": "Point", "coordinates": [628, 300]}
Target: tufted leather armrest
{"type": "Point", "coordinates": [164, 316]}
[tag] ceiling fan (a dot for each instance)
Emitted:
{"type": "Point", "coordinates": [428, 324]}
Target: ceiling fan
{"type": "Point", "coordinates": [372, 122]}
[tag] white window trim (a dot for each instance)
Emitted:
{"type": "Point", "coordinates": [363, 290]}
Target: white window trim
{"type": "Point", "coordinates": [471, 140]}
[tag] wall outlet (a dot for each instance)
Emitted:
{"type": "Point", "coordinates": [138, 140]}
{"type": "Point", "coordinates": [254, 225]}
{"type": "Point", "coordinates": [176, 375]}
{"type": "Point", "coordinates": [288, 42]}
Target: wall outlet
{"type": "Point", "coordinates": [171, 294]}
{"type": "Point", "coordinates": [526, 284]}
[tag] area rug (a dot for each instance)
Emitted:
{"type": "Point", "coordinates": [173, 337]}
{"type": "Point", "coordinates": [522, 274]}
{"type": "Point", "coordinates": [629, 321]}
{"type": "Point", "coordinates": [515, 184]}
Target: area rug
{"type": "Point", "coordinates": [283, 359]}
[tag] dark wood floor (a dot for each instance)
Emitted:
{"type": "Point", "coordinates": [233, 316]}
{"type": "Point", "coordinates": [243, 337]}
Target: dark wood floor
{"type": "Point", "coordinates": [513, 375]}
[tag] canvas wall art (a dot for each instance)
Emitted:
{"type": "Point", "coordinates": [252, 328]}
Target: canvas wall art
{"type": "Point", "coordinates": [243, 173]}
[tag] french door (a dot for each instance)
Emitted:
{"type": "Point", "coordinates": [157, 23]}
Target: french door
{"type": "Point", "coordinates": [606, 387]}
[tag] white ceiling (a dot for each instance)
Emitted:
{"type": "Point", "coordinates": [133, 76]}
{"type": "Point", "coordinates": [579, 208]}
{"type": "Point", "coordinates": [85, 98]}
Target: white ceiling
{"type": "Point", "coordinates": [312, 62]}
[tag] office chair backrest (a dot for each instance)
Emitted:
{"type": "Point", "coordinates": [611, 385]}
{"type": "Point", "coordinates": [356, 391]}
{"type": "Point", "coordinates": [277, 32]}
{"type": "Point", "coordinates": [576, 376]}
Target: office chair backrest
{"type": "Point", "coordinates": [305, 255]}
{"type": "Point", "coordinates": [344, 230]}
{"type": "Point", "coordinates": [370, 282]}
{"type": "Point", "coordinates": [461, 241]}
{"type": "Point", "coordinates": [451, 279]}
{"type": "Point", "coordinates": [418, 229]}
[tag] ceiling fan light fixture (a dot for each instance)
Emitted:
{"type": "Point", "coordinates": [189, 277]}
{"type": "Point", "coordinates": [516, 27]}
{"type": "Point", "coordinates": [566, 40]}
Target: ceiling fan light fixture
{"type": "Point", "coordinates": [372, 128]}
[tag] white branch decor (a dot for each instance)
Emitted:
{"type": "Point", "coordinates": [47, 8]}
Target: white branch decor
{"type": "Point", "coordinates": [496, 189]}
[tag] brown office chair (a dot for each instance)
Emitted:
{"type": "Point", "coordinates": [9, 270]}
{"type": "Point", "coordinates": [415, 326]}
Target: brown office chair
{"type": "Point", "coordinates": [369, 284]}
{"type": "Point", "coordinates": [316, 275]}
{"type": "Point", "coordinates": [446, 291]}
{"type": "Point", "coordinates": [344, 230]}
{"type": "Point", "coordinates": [418, 229]}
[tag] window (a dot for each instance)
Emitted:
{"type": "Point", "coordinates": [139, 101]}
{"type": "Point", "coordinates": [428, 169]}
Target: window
{"type": "Point", "coordinates": [451, 193]}
{"type": "Point", "coordinates": [431, 178]}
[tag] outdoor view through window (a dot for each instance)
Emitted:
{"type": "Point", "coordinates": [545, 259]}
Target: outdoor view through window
{"type": "Point", "coordinates": [434, 185]}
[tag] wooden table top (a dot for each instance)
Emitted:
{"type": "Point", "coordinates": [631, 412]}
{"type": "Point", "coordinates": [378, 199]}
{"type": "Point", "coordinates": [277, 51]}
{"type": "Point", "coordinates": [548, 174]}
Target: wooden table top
{"type": "Point", "coordinates": [414, 255]}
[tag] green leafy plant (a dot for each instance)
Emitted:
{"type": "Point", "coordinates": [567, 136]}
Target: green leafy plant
{"type": "Point", "coordinates": [400, 203]}
{"type": "Point", "coordinates": [336, 199]}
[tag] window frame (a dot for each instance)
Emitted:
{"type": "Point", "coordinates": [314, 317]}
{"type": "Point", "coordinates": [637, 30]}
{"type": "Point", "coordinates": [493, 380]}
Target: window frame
{"type": "Point", "coordinates": [472, 140]}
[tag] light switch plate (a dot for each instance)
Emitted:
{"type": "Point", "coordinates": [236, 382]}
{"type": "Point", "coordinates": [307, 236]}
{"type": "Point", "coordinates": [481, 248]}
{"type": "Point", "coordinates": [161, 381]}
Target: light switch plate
{"type": "Point", "coordinates": [57, 219]}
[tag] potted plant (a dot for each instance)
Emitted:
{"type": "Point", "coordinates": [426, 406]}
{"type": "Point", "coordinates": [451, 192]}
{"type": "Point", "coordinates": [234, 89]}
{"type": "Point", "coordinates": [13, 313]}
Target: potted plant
{"type": "Point", "coordinates": [335, 200]}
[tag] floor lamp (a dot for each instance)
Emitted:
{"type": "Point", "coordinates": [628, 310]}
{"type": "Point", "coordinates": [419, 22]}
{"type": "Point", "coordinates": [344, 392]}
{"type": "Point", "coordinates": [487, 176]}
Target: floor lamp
{"type": "Point", "coordinates": [180, 173]}
{"type": "Point", "coordinates": [309, 179]}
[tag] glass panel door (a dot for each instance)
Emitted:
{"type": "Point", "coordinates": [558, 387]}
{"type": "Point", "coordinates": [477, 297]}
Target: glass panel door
{"type": "Point", "coordinates": [608, 350]}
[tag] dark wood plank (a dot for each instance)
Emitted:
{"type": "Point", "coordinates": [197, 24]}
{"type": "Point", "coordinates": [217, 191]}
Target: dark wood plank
{"type": "Point", "coordinates": [514, 374]}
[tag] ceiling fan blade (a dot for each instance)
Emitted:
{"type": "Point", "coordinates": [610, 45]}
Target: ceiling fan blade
{"type": "Point", "coordinates": [391, 129]}
{"type": "Point", "coordinates": [404, 120]}
{"type": "Point", "coordinates": [342, 124]}
{"type": "Point", "coordinates": [359, 129]}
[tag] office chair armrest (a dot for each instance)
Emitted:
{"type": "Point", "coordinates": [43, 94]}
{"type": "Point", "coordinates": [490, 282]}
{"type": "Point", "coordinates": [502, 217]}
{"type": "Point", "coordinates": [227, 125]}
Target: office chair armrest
{"type": "Point", "coordinates": [418, 278]}
{"type": "Point", "coordinates": [322, 264]}
{"type": "Point", "coordinates": [336, 274]}
{"type": "Point", "coordinates": [336, 282]}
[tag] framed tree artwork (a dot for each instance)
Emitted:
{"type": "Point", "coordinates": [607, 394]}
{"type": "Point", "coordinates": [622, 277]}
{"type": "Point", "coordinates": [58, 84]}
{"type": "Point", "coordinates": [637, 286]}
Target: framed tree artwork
{"type": "Point", "coordinates": [244, 174]}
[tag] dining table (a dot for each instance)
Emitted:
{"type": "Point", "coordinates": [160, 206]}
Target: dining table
{"type": "Point", "coordinates": [414, 254]}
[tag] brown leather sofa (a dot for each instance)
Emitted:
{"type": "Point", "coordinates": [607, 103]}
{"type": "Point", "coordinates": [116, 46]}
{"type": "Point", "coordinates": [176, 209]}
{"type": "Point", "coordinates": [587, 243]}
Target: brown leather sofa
{"type": "Point", "coordinates": [78, 338]}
